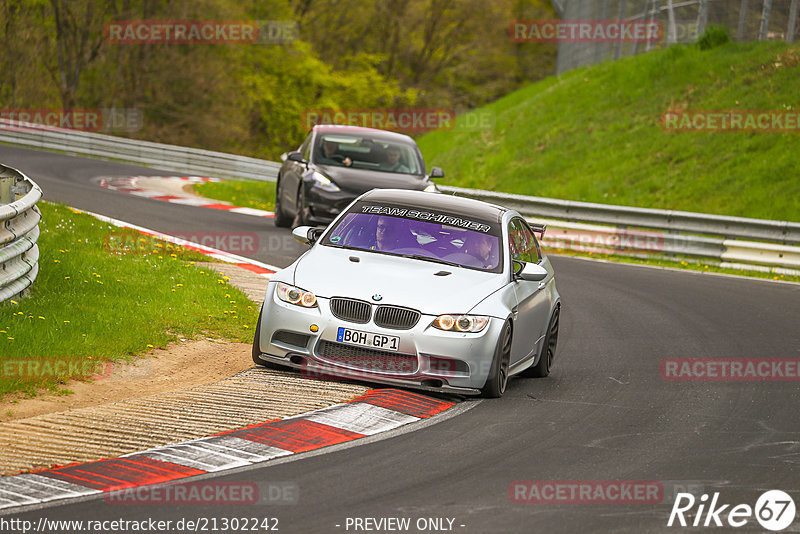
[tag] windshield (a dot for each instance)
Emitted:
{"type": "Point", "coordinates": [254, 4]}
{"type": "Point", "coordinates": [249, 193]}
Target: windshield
{"type": "Point", "coordinates": [368, 152]}
{"type": "Point", "coordinates": [412, 233]}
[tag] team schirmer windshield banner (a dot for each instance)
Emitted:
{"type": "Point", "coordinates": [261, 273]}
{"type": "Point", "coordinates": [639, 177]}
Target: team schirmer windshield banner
{"type": "Point", "coordinates": [427, 216]}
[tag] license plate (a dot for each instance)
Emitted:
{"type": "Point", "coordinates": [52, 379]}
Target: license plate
{"type": "Point", "coordinates": [367, 339]}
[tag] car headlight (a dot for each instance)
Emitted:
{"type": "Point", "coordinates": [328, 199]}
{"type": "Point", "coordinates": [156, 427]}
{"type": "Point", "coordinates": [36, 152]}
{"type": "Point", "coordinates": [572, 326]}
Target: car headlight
{"type": "Point", "coordinates": [295, 295]}
{"type": "Point", "coordinates": [324, 183]}
{"type": "Point", "coordinates": [460, 323]}
{"type": "Point", "coordinates": [431, 189]}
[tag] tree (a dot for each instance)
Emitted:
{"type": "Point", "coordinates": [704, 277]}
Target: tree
{"type": "Point", "coordinates": [78, 39]}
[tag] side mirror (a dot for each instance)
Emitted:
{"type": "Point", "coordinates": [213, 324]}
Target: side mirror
{"type": "Point", "coordinates": [307, 235]}
{"type": "Point", "coordinates": [436, 172]}
{"type": "Point", "coordinates": [538, 228]}
{"type": "Point", "coordinates": [530, 272]}
{"type": "Point", "coordinates": [295, 156]}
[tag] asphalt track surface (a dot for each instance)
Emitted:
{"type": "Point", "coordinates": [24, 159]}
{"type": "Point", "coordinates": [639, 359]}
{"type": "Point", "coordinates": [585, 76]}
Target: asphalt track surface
{"type": "Point", "coordinates": [604, 414]}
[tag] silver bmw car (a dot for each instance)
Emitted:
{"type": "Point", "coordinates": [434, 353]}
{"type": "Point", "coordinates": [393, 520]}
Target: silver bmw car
{"type": "Point", "coordinates": [415, 289]}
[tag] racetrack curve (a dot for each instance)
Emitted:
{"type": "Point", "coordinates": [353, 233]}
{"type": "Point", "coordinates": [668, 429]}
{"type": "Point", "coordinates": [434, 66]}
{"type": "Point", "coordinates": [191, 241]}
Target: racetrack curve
{"type": "Point", "coordinates": [605, 413]}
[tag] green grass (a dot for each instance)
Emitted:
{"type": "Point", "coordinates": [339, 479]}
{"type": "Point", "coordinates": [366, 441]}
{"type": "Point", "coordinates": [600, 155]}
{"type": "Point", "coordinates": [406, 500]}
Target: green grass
{"type": "Point", "coordinates": [594, 134]}
{"type": "Point", "coordinates": [243, 193]}
{"type": "Point", "coordinates": [94, 303]}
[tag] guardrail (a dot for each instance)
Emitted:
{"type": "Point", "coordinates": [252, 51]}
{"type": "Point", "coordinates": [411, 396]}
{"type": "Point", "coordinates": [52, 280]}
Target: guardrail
{"type": "Point", "coordinates": [727, 241]}
{"type": "Point", "coordinates": [732, 242]}
{"type": "Point", "coordinates": [19, 230]}
{"type": "Point", "coordinates": [729, 253]}
{"type": "Point", "coordinates": [173, 158]}
{"type": "Point", "coordinates": [626, 216]}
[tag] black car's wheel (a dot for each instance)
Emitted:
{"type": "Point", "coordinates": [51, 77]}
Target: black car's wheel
{"type": "Point", "coordinates": [498, 375]}
{"type": "Point", "coordinates": [281, 219]}
{"type": "Point", "coordinates": [301, 211]}
{"type": "Point", "coordinates": [542, 368]}
{"type": "Point", "coordinates": [257, 348]}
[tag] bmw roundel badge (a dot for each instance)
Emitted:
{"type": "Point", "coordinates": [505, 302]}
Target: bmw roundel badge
{"type": "Point", "coordinates": [377, 298]}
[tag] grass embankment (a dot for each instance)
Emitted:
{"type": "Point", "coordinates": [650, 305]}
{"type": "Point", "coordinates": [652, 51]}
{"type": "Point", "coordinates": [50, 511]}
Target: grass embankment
{"type": "Point", "coordinates": [595, 134]}
{"type": "Point", "coordinates": [100, 297]}
{"type": "Point", "coordinates": [244, 193]}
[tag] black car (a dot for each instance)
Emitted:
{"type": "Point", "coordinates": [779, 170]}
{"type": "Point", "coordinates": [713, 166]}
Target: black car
{"type": "Point", "coordinates": [335, 164]}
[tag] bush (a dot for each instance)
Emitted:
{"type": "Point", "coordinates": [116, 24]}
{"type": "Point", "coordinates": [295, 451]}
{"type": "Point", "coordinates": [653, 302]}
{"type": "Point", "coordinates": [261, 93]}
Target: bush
{"type": "Point", "coordinates": [714, 36]}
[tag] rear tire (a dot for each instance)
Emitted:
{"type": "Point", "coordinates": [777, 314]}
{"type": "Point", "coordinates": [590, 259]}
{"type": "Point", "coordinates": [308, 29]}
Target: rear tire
{"type": "Point", "coordinates": [281, 219]}
{"type": "Point", "coordinates": [498, 375]}
{"type": "Point", "coordinates": [542, 369]}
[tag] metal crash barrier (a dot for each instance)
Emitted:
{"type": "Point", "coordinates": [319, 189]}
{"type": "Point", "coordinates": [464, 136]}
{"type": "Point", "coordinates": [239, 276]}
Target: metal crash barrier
{"type": "Point", "coordinates": [19, 231]}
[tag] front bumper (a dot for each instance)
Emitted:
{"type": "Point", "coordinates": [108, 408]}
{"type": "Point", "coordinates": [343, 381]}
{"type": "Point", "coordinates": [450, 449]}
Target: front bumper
{"type": "Point", "coordinates": [324, 206]}
{"type": "Point", "coordinates": [427, 358]}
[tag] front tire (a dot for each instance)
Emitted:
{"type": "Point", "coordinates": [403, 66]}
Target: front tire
{"type": "Point", "coordinates": [542, 369]}
{"type": "Point", "coordinates": [498, 375]}
{"type": "Point", "coordinates": [281, 219]}
{"type": "Point", "coordinates": [301, 216]}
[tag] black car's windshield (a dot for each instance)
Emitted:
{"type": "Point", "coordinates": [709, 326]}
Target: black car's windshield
{"type": "Point", "coordinates": [368, 152]}
{"type": "Point", "coordinates": [420, 234]}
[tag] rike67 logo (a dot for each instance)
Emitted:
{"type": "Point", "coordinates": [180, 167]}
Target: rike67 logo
{"type": "Point", "coordinates": [774, 510]}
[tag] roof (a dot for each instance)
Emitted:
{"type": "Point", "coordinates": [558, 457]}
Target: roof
{"type": "Point", "coordinates": [439, 202]}
{"type": "Point", "coordinates": [339, 128]}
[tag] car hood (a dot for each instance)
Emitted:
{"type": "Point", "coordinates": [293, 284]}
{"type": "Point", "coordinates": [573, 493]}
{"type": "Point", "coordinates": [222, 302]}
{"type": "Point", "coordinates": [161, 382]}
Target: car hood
{"type": "Point", "coordinates": [329, 272]}
{"type": "Point", "coordinates": [362, 180]}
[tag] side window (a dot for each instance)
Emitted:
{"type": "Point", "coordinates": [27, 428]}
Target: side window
{"type": "Point", "coordinates": [515, 241]}
{"type": "Point", "coordinates": [522, 242]}
{"type": "Point", "coordinates": [532, 243]}
{"type": "Point", "coordinates": [305, 149]}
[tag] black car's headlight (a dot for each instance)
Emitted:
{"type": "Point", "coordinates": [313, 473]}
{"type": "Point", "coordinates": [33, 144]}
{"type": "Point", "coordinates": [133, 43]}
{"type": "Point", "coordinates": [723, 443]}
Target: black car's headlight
{"type": "Point", "coordinates": [460, 323]}
{"type": "Point", "coordinates": [295, 295]}
{"type": "Point", "coordinates": [324, 183]}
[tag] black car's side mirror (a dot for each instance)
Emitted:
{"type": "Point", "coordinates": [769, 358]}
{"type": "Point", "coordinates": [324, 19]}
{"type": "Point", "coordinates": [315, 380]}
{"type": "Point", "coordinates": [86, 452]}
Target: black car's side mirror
{"type": "Point", "coordinates": [296, 156]}
{"type": "Point", "coordinates": [315, 234]}
{"type": "Point", "coordinates": [436, 172]}
{"type": "Point", "coordinates": [307, 235]}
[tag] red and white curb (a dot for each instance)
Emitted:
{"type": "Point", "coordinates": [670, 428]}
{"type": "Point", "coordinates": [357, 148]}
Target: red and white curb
{"type": "Point", "coordinates": [130, 185]}
{"type": "Point", "coordinates": [374, 412]}
{"type": "Point", "coordinates": [263, 269]}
